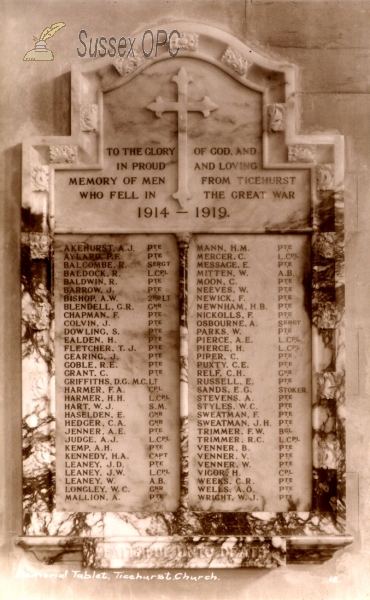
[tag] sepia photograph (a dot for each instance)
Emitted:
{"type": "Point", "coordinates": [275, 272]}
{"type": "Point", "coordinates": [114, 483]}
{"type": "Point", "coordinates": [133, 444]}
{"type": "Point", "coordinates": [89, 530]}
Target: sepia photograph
{"type": "Point", "coordinates": [185, 330]}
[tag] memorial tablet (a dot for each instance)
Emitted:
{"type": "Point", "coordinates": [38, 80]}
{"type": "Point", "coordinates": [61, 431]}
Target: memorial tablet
{"type": "Point", "coordinates": [183, 333]}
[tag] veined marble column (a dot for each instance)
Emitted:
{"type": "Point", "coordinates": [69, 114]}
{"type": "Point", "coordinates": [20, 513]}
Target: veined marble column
{"type": "Point", "coordinates": [183, 240]}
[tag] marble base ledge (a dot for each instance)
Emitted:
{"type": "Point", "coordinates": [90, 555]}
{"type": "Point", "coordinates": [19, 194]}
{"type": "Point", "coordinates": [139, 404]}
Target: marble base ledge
{"type": "Point", "coordinates": [315, 550]}
{"type": "Point", "coordinates": [50, 550]}
{"type": "Point", "coordinates": [197, 552]}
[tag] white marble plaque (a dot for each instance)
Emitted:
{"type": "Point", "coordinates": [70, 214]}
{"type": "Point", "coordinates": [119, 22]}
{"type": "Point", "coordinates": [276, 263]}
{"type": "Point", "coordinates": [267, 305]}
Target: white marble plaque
{"type": "Point", "coordinates": [250, 373]}
{"type": "Point", "coordinates": [117, 372]}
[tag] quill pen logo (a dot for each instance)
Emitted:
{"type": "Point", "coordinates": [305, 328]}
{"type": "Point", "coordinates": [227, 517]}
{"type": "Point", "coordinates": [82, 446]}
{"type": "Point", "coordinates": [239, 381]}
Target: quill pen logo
{"type": "Point", "coordinates": [40, 51]}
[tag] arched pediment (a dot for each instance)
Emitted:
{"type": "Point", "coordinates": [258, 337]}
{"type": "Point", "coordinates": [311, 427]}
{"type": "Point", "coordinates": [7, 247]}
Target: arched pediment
{"type": "Point", "coordinates": [282, 146]}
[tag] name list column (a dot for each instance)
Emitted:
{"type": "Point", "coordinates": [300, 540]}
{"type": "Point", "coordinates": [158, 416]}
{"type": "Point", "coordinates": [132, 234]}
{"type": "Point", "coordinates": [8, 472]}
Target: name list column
{"type": "Point", "coordinates": [241, 426]}
{"type": "Point", "coordinates": [117, 384]}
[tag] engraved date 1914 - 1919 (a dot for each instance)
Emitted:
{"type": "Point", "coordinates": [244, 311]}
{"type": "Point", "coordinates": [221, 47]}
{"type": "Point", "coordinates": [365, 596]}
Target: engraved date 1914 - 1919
{"type": "Point", "coordinates": [219, 212]}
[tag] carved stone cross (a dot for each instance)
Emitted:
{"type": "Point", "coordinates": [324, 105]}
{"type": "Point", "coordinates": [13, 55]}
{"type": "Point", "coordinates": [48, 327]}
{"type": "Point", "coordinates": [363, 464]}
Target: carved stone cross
{"type": "Point", "coordinates": [182, 107]}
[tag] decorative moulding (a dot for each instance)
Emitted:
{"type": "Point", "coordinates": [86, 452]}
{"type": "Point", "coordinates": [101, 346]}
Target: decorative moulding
{"type": "Point", "coordinates": [236, 61]}
{"type": "Point", "coordinates": [39, 244]}
{"type": "Point", "coordinates": [127, 65]}
{"type": "Point", "coordinates": [63, 154]}
{"type": "Point", "coordinates": [186, 41]}
{"type": "Point", "coordinates": [325, 177]}
{"type": "Point", "coordinates": [276, 117]}
{"type": "Point", "coordinates": [89, 117]}
{"type": "Point", "coordinates": [299, 153]}
{"type": "Point", "coordinates": [40, 178]}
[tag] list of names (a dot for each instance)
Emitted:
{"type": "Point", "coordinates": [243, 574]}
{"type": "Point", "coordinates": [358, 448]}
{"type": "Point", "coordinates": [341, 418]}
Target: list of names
{"type": "Point", "coordinates": [117, 384]}
{"type": "Point", "coordinates": [249, 414]}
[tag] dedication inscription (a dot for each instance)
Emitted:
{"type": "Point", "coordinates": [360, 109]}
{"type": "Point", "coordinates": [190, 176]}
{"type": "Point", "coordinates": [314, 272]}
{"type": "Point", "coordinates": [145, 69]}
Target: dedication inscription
{"type": "Point", "coordinates": [207, 174]}
{"type": "Point", "coordinates": [190, 243]}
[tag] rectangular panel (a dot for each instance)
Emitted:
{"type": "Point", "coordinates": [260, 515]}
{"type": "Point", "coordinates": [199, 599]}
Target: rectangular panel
{"type": "Point", "coordinates": [117, 372]}
{"type": "Point", "coordinates": [250, 373]}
